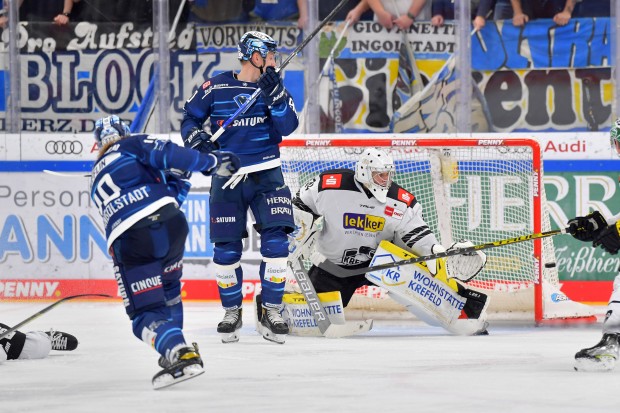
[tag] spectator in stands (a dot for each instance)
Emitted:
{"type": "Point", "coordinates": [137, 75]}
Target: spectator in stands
{"type": "Point", "coordinates": [443, 10]}
{"type": "Point", "coordinates": [56, 11]}
{"type": "Point", "coordinates": [502, 10]}
{"type": "Point", "coordinates": [559, 10]}
{"type": "Point", "coordinates": [135, 11]}
{"type": "Point", "coordinates": [4, 15]}
{"type": "Point", "coordinates": [274, 10]}
{"type": "Point", "coordinates": [220, 11]}
{"type": "Point", "coordinates": [592, 8]}
{"type": "Point", "coordinates": [351, 10]}
{"type": "Point", "coordinates": [401, 13]}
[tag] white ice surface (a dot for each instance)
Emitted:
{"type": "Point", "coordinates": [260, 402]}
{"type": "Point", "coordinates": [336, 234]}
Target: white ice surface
{"type": "Point", "coordinates": [404, 367]}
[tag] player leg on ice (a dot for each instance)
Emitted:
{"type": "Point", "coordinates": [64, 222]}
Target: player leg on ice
{"type": "Point", "coordinates": [605, 233]}
{"type": "Point", "coordinates": [184, 363]}
{"type": "Point", "coordinates": [33, 344]}
{"type": "Point", "coordinates": [273, 278]}
{"type": "Point", "coordinates": [269, 199]}
{"type": "Point", "coordinates": [229, 281]}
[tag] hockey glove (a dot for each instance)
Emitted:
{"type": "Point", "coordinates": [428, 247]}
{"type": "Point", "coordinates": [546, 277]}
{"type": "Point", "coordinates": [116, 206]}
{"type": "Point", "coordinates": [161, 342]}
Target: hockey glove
{"type": "Point", "coordinates": [178, 174]}
{"type": "Point", "coordinates": [587, 228]}
{"type": "Point", "coordinates": [199, 140]}
{"type": "Point", "coordinates": [609, 239]}
{"type": "Point", "coordinates": [178, 183]}
{"type": "Point", "coordinates": [270, 84]}
{"type": "Point", "coordinates": [226, 164]}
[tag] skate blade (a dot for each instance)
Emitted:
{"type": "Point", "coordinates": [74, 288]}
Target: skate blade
{"type": "Point", "coordinates": [600, 363]}
{"type": "Point", "coordinates": [230, 337]}
{"type": "Point", "coordinates": [274, 338]}
{"type": "Point", "coordinates": [168, 380]}
{"type": "Point", "coordinates": [348, 329]}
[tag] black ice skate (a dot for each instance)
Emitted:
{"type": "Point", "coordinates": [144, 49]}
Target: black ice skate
{"type": "Point", "coordinates": [273, 326]}
{"type": "Point", "coordinates": [231, 324]}
{"type": "Point", "coordinates": [187, 365]}
{"type": "Point", "coordinates": [62, 341]}
{"type": "Point", "coordinates": [601, 357]}
{"type": "Point", "coordinates": [163, 362]}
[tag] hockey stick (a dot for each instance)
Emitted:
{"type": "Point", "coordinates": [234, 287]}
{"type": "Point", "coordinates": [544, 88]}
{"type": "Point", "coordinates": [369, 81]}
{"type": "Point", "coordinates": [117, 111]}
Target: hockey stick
{"type": "Point", "coordinates": [67, 175]}
{"type": "Point", "coordinates": [46, 309]}
{"type": "Point", "coordinates": [321, 261]}
{"type": "Point", "coordinates": [317, 310]}
{"type": "Point", "coordinates": [286, 61]}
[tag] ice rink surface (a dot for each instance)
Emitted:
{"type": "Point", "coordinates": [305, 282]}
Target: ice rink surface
{"type": "Point", "coordinates": [396, 367]}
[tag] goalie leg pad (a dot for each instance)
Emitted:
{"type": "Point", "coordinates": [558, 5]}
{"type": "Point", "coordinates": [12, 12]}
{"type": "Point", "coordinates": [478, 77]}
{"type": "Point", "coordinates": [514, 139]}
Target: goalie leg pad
{"type": "Point", "coordinates": [435, 300]}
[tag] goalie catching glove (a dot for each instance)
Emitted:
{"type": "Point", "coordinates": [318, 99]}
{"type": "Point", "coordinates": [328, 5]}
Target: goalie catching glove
{"type": "Point", "coordinates": [463, 267]}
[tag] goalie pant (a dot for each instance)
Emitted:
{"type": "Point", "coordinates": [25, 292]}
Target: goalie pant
{"type": "Point", "coordinates": [23, 346]}
{"type": "Point", "coordinates": [325, 282]}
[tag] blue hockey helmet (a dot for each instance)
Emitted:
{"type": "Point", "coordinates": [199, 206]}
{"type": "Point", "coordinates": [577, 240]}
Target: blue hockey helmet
{"type": "Point", "coordinates": [109, 129]}
{"type": "Point", "coordinates": [255, 42]}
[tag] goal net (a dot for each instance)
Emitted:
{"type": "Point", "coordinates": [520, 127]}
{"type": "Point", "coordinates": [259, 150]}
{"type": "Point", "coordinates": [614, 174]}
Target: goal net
{"type": "Point", "coordinates": [482, 190]}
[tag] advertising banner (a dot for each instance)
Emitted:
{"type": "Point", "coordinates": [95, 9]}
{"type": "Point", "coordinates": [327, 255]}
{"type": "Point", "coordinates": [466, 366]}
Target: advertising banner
{"type": "Point", "coordinates": [540, 77]}
{"type": "Point", "coordinates": [50, 231]}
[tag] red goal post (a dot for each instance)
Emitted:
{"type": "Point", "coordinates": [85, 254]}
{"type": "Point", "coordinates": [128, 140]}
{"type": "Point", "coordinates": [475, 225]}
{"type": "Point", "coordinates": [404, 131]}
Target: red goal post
{"type": "Point", "coordinates": [482, 190]}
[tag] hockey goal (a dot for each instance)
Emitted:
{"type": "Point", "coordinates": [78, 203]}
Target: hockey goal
{"type": "Point", "coordinates": [482, 190]}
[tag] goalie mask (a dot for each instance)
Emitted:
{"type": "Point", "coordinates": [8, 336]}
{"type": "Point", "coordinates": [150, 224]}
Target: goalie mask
{"type": "Point", "coordinates": [110, 129]}
{"type": "Point", "coordinates": [256, 42]}
{"type": "Point", "coordinates": [375, 170]}
{"type": "Point", "coordinates": [614, 135]}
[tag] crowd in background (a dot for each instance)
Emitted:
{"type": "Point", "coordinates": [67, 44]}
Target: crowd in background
{"type": "Point", "coordinates": [389, 13]}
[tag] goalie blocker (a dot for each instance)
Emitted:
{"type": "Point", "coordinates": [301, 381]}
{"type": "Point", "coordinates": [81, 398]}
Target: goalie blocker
{"type": "Point", "coordinates": [436, 300]}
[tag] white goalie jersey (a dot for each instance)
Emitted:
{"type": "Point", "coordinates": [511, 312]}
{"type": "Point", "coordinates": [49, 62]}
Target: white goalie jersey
{"type": "Point", "coordinates": [355, 222]}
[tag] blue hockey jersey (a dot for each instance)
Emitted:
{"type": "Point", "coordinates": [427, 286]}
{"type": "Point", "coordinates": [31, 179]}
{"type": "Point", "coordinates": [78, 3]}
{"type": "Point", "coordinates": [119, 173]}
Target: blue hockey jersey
{"type": "Point", "coordinates": [131, 180]}
{"type": "Point", "coordinates": [254, 136]}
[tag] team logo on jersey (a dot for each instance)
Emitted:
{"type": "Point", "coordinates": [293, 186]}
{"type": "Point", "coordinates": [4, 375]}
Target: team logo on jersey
{"type": "Point", "coordinates": [331, 181]}
{"type": "Point", "coordinates": [405, 196]}
{"type": "Point", "coordinates": [393, 212]}
{"type": "Point", "coordinates": [206, 84]}
{"type": "Point", "coordinates": [363, 222]}
{"type": "Point", "coordinates": [241, 99]}
{"type": "Point", "coordinates": [148, 284]}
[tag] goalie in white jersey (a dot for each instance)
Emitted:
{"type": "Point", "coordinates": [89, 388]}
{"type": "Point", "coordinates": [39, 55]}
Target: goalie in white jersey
{"type": "Point", "coordinates": [360, 209]}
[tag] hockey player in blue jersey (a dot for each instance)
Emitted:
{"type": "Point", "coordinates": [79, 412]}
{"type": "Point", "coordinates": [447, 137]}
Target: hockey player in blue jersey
{"type": "Point", "coordinates": [254, 136]}
{"type": "Point", "coordinates": [138, 183]}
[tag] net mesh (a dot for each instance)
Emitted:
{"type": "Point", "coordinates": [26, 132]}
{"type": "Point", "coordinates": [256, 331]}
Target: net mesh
{"type": "Point", "coordinates": [481, 193]}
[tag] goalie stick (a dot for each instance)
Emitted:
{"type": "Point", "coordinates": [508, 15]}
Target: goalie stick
{"type": "Point", "coordinates": [46, 309]}
{"type": "Point", "coordinates": [321, 261]}
{"type": "Point", "coordinates": [286, 61]}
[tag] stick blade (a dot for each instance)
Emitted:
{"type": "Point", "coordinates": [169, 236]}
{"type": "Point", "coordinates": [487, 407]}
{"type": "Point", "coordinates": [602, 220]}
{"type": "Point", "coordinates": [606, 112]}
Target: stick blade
{"type": "Point", "coordinates": [66, 174]}
{"type": "Point", "coordinates": [348, 329]}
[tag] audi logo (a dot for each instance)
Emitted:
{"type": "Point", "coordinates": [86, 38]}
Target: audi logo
{"type": "Point", "coordinates": [63, 147]}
